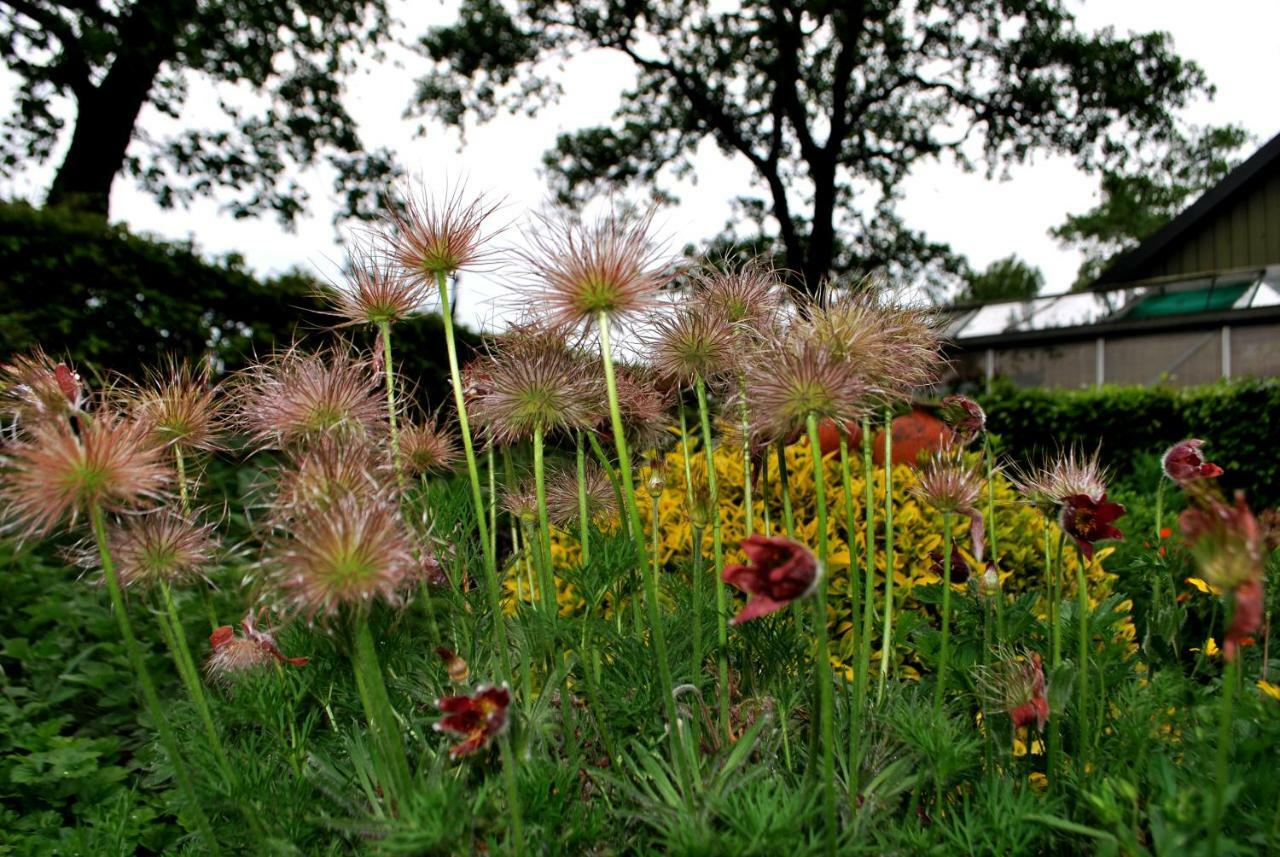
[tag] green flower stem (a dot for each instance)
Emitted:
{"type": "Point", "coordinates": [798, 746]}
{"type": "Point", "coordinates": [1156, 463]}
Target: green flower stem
{"type": "Point", "coordinates": [184, 499]}
{"type": "Point", "coordinates": [784, 479]}
{"type": "Point", "coordinates": [717, 547]}
{"type": "Point", "coordinates": [392, 760]}
{"type": "Point", "coordinates": [825, 702]}
{"type": "Point", "coordinates": [1082, 671]}
{"type": "Point", "coordinates": [697, 555]}
{"type": "Point", "coordinates": [1159, 506]}
{"type": "Point", "coordinates": [134, 652]}
{"type": "Point", "coordinates": [584, 514]}
{"type": "Point", "coordinates": [846, 486]}
{"type": "Point", "coordinates": [1054, 741]}
{"type": "Point", "coordinates": [477, 501]}
{"type": "Point", "coordinates": [765, 494]}
{"type": "Point", "coordinates": [384, 328]}
{"type": "Point", "coordinates": [516, 841]}
{"type": "Point", "coordinates": [607, 466]}
{"type": "Point", "coordinates": [886, 644]}
{"type": "Point", "coordinates": [637, 528]}
{"type": "Point", "coordinates": [869, 564]}
{"type": "Point", "coordinates": [191, 678]}
{"type": "Point", "coordinates": [1230, 675]}
{"type": "Point", "coordinates": [1055, 602]}
{"type": "Point", "coordinates": [945, 656]}
{"type": "Point", "coordinates": [493, 501]}
{"type": "Point", "coordinates": [747, 487]}
{"type": "Point", "coordinates": [549, 599]}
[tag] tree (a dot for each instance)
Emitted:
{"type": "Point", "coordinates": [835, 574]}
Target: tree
{"type": "Point", "coordinates": [1005, 279]}
{"type": "Point", "coordinates": [832, 103]}
{"type": "Point", "coordinates": [1146, 194]}
{"type": "Point", "coordinates": [112, 59]}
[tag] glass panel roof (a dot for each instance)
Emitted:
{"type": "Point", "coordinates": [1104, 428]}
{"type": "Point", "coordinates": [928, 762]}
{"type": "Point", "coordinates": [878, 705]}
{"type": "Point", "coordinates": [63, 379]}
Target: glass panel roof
{"type": "Point", "coordinates": [1076, 309]}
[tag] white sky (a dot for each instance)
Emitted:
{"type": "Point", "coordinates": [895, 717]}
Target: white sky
{"type": "Point", "coordinates": [1237, 42]}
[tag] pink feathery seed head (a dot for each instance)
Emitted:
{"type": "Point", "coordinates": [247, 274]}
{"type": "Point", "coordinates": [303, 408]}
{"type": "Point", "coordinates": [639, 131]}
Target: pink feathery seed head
{"type": "Point", "coordinates": [34, 388]}
{"type": "Point", "coordinates": [376, 291]}
{"type": "Point", "coordinates": [785, 382]}
{"type": "Point", "coordinates": [1225, 540]}
{"type": "Point", "coordinates": [162, 545]}
{"type": "Point", "coordinates": [646, 407]}
{"type": "Point", "coordinates": [477, 718]}
{"type": "Point", "coordinates": [1184, 461]}
{"type": "Point", "coordinates": [780, 571]}
{"type": "Point", "coordinates": [427, 447]}
{"type": "Point", "coordinates": [852, 326]}
{"type": "Point", "coordinates": [562, 496]}
{"type": "Point", "coordinates": [690, 343]}
{"type": "Point", "coordinates": [520, 500]}
{"type": "Point", "coordinates": [949, 483]}
{"type": "Point", "coordinates": [1015, 684]}
{"type": "Point", "coordinates": [352, 553]}
{"type": "Point", "coordinates": [965, 416]}
{"type": "Point", "coordinates": [1048, 486]}
{"type": "Point", "coordinates": [531, 388]}
{"type": "Point", "coordinates": [54, 473]}
{"type": "Point", "coordinates": [610, 267]}
{"type": "Point", "coordinates": [299, 396]}
{"type": "Point", "coordinates": [327, 470]}
{"type": "Point", "coordinates": [744, 293]}
{"type": "Point", "coordinates": [430, 236]}
{"type": "Point", "coordinates": [232, 656]}
{"type": "Point", "coordinates": [179, 404]}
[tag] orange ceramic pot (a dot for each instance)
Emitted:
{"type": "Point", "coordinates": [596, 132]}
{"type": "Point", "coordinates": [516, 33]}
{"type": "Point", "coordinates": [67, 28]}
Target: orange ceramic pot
{"type": "Point", "coordinates": [914, 434]}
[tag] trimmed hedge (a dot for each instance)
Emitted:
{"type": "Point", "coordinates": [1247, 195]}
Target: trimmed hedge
{"type": "Point", "coordinates": [1239, 421]}
{"type": "Point", "coordinates": [110, 300]}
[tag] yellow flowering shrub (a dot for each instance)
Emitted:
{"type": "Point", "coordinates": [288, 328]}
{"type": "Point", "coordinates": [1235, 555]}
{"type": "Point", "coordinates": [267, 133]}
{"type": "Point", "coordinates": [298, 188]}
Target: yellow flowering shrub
{"type": "Point", "coordinates": [1017, 534]}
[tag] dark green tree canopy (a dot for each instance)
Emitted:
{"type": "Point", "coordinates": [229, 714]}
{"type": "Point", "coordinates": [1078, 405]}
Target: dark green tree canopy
{"type": "Point", "coordinates": [110, 59]}
{"type": "Point", "coordinates": [1005, 279]}
{"type": "Point", "coordinates": [832, 103]}
{"type": "Point", "coordinates": [1146, 193]}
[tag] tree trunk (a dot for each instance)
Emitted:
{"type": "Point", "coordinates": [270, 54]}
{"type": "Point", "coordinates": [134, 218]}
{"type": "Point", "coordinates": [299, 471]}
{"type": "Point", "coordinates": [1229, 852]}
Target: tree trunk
{"type": "Point", "coordinates": [106, 114]}
{"type": "Point", "coordinates": [820, 253]}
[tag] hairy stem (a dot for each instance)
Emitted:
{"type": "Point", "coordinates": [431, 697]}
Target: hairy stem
{"type": "Point", "coordinates": [717, 547]}
{"type": "Point", "coordinates": [823, 671]}
{"type": "Point", "coordinates": [584, 514]}
{"type": "Point", "coordinates": [886, 642]}
{"type": "Point", "coordinates": [378, 711]}
{"type": "Point", "coordinates": [945, 655]}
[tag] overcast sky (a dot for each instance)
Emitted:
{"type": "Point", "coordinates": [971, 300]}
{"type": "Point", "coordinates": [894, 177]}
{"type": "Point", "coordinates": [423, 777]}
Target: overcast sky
{"type": "Point", "coordinates": [1237, 42]}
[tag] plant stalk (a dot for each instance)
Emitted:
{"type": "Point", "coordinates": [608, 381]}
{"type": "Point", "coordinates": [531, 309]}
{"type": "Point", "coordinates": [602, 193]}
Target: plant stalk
{"type": "Point", "coordinates": [945, 656]}
{"type": "Point", "coordinates": [823, 671]}
{"type": "Point", "coordinates": [886, 644]}
{"type": "Point", "coordinates": [717, 547]}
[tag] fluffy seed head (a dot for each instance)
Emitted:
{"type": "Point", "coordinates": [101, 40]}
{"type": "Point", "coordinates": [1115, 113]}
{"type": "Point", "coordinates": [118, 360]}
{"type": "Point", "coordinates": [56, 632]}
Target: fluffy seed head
{"type": "Point", "coordinates": [427, 447]}
{"type": "Point", "coordinates": [54, 473]}
{"type": "Point", "coordinates": [375, 292]}
{"type": "Point", "coordinates": [744, 294]}
{"type": "Point", "coordinates": [431, 236]}
{"type": "Point", "coordinates": [299, 396]}
{"type": "Point", "coordinates": [948, 483]}
{"type": "Point", "coordinates": [159, 546]}
{"type": "Point", "coordinates": [533, 388]}
{"type": "Point", "coordinates": [328, 470]}
{"type": "Point", "coordinates": [179, 405]}
{"type": "Point", "coordinates": [690, 343]}
{"type": "Point", "coordinates": [610, 267]}
{"type": "Point", "coordinates": [644, 405]}
{"type": "Point", "coordinates": [520, 501]}
{"type": "Point", "coordinates": [34, 388]}
{"type": "Point", "coordinates": [354, 552]}
{"type": "Point", "coordinates": [562, 496]}
{"type": "Point", "coordinates": [786, 382]}
{"type": "Point", "coordinates": [1071, 473]}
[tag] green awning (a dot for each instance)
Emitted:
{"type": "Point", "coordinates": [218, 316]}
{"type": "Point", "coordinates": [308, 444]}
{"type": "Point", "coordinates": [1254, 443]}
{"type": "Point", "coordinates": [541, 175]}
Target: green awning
{"type": "Point", "coordinates": [1219, 297]}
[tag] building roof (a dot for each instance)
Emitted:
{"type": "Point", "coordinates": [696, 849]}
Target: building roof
{"type": "Point", "coordinates": [1131, 266]}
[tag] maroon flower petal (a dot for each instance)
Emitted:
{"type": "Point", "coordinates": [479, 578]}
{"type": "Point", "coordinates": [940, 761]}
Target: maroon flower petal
{"type": "Point", "coordinates": [1183, 461]}
{"type": "Point", "coordinates": [781, 571]}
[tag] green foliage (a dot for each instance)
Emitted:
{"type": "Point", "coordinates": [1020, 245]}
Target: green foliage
{"type": "Point", "coordinates": [1238, 421]}
{"type": "Point", "coordinates": [1003, 280]}
{"type": "Point", "coordinates": [831, 104]}
{"type": "Point", "coordinates": [112, 301]}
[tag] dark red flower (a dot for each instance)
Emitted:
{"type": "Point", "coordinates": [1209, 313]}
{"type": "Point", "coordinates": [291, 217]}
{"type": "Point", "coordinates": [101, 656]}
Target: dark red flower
{"type": "Point", "coordinates": [1036, 707]}
{"type": "Point", "coordinates": [781, 571]}
{"type": "Point", "coordinates": [1247, 619]}
{"type": "Point", "coordinates": [1183, 461]}
{"type": "Point", "coordinates": [1226, 541]}
{"type": "Point", "coordinates": [965, 416]}
{"type": "Point", "coordinates": [478, 718]}
{"type": "Point", "coordinates": [959, 567]}
{"type": "Point", "coordinates": [1087, 520]}
{"type": "Point", "coordinates": [267, 641]}
{"type": "Point", "coordinates": [233, 656]}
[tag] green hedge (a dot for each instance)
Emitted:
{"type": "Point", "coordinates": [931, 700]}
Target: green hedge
{"type": "Point", "coordinates": [111, 300]}
{"type": "Point", "coordinates": [1239, 421]}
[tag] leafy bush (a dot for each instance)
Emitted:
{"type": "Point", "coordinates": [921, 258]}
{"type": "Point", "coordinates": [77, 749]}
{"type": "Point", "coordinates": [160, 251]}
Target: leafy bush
{"type": "Point", "coordinates": [1239, 421]}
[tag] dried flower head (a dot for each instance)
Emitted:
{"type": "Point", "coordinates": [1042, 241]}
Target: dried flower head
{"type": "Point", "coordinates": [180, 406]}
{"type": "Point", "coordinates": [562, 496]}
{"type": "Point", "coordinates": [232, 657]}
{"type": "Point", "coordinates": [375, 292]}
{"type": "Point", "coordinates": [520, 501]}
{"type": "Point", "coordinates": [786, 382]}
{"type": "Point", "coordinates": [533, 389]}
{"type": "Point", "coordinates": [34, 388]}
{"type": "Point", "coordinates": [1225, 539]}
{"type": "Point", "coordinates": [356, 551]}
{"type": "Point", "coordinates": [428, 447]}
{"type": "Point", "coordinates": [745, 294]}
{"type": "Point", "coordinates": [299, 396]}
{"type": "Point", "coordinates": [965, 416]}
{"type": "Point", "coordinates": [54, 473]}
{"type": "Point", "coordinates": [948, 482]}
{"type": "Point", "coordinates": [326, 471]}
{"type": "Point", "coordinates": [477, 719]}
{"type": "Point", "coordinates": [644, 405]}
{"type": "Point", "coordinates": [690, 343]}
{"type": "Point", "coordinates": [436, 236]}
{"type": "Point", "coordinates": [163, 545]}
{"type": "Point", "coordinates": [1183, 461]}
{"type": "Point", "coordinates": [610, 268]}
{"type": "Point", "coordinates": [1072, 473]}
{"type": "Point", "coordinates": [1015, 684]}
{"type": "Point", "coordinates": [781, 571]}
